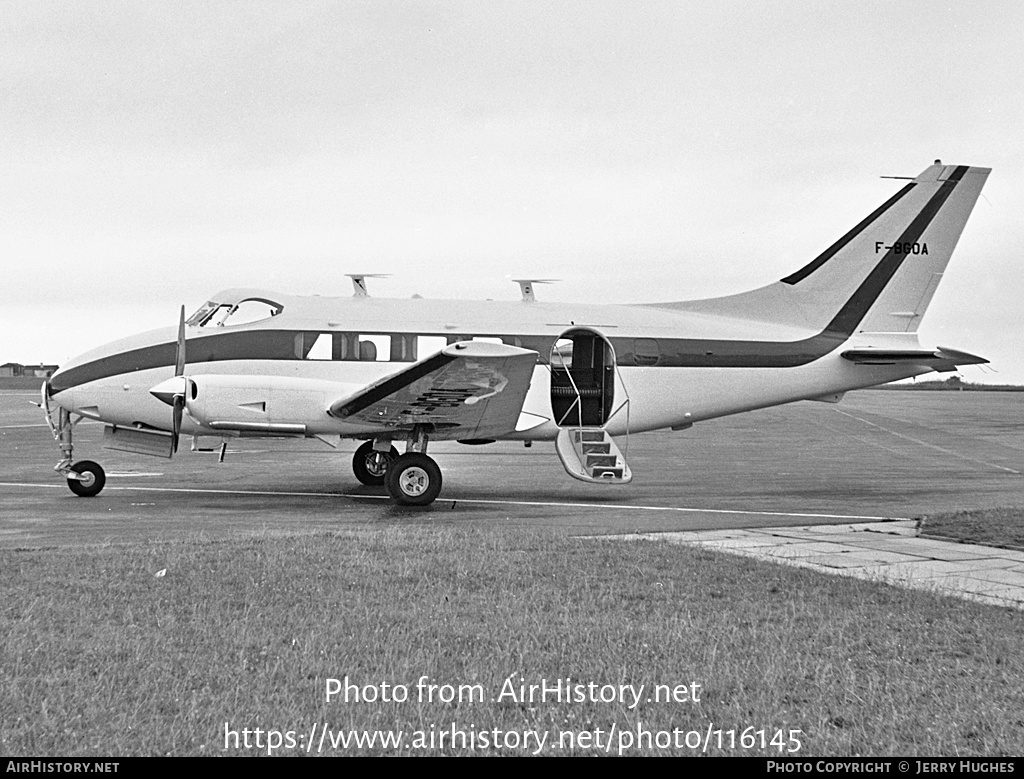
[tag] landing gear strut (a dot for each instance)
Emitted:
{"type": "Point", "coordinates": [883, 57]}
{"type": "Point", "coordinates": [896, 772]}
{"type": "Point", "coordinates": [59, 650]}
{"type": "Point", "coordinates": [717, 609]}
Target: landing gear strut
{"type": "Point", "coordinates": [85, 478]}
{"type": "Point", "coordinates": [414, 479]}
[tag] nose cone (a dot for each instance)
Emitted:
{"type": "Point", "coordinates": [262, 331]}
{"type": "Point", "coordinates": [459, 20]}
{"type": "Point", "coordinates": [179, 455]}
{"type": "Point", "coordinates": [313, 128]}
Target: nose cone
{"type": "Point", "coordinates": [118, 357]}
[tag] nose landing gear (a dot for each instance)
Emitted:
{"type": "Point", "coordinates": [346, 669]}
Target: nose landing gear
{"type": "Point", "coordinates": [85, 478]}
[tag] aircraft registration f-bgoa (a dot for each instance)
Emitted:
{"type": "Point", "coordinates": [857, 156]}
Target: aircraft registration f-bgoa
{"type": "Point", "coordinates": [252, 363]}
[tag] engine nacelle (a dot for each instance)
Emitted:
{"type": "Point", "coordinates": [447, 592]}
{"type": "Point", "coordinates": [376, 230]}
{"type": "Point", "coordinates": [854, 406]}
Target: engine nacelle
{"type": "Point", "coordinates": [262, 404]}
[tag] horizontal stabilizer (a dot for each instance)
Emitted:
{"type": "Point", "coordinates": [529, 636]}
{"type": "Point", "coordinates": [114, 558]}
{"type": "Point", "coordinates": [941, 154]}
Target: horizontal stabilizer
{"type": "Point", "coordinates": [941, 359]}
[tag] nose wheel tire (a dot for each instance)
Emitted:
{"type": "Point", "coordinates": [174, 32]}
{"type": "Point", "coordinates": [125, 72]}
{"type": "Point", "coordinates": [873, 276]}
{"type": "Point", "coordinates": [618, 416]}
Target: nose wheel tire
{"type": "Point", "coordinates": [90, 481]}
{"type": "Point", "coordinates": [414, 480]}
{"type": "Point", "coordinates": [371, 466]}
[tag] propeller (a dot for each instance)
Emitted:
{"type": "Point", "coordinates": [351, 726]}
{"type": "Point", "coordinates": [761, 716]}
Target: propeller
{"type": "Point", "coordinates": [179, 352]}
{"type": "Point", "coordinates": [172, 392]}
{"type": "Point", "coordinates": [178, 405]}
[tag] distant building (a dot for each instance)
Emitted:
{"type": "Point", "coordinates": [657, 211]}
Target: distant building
{"type": "Point", "coordinates": [10, 369]}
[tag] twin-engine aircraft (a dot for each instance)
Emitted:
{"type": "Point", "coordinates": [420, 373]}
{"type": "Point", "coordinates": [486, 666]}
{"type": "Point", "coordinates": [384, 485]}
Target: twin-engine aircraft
{"type": "Point", "coordinates": [251, 363]}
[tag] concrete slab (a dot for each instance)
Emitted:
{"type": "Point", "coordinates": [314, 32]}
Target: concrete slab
{"type": "Point", "coordinates": [937, 568]}
{"type": "Point", "coordinates": [884, 551]}
{"type": "Point", "coordinates": [854, 558]}
{"type": "Point", "coordinates": [938, 550]}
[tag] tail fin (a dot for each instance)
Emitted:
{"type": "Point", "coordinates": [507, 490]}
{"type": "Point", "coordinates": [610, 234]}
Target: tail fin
{"type": "Point", "coordinates": [881, 275]}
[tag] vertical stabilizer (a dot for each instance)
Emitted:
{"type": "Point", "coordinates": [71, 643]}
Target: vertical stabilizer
{"type": "Point", "coordinates": [907, 256]}
{"type": "Point", "coordinates": [881, 275]}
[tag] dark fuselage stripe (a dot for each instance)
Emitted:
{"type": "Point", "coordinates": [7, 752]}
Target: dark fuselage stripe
{"type": "Point", "coordinates": [673, 352]}
{"type": "Point", "coordinates": [826, 255]}
{"type": "Point", "coordinates": [250, 345]}
{"type": "Point", "coordinates": [851, 314]}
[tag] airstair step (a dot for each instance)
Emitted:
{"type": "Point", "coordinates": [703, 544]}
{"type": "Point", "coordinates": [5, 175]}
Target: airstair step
{"type": "Point", "coordinates": [590, 454]}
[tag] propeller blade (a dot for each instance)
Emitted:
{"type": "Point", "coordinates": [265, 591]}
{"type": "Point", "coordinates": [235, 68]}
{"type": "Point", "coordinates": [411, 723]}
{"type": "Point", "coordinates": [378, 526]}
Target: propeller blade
{"type": "Point", "coordinates": [179, 353]}
{"type": "Point", "coordinates": [179, 407]}
{"type": "Point", "coordinates": [178, 400]}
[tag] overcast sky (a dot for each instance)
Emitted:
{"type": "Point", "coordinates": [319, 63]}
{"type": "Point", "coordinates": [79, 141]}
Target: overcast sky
{"type": "Point", "coordinates": [156, 152]}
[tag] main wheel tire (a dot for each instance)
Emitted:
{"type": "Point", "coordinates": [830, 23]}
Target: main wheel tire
{"type": "Point", "coordinates": [92, 479]}
{"type": "Point", "coordinates": [371, 466]}
{"type": "Point", "coordinates": [414, 480]}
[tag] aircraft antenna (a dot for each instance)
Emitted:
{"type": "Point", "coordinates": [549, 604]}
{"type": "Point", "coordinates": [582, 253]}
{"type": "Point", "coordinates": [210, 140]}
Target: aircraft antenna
{"type": "Point", "coordinates": [908, 178]}
{"type": "Point", "coordinates": [526, 287]}
{"type": "Point", "coordinates": [359, 282]}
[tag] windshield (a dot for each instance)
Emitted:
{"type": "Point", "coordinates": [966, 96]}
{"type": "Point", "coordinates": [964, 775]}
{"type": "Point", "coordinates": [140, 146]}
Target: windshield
{"type": "Point", "coordinates": [238, 313]}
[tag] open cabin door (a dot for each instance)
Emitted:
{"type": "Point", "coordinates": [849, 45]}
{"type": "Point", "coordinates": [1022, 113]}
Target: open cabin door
{"type": "Point", "coordinates": [582, 379]}
{"type": "Point", "coordinates": [583, 374]}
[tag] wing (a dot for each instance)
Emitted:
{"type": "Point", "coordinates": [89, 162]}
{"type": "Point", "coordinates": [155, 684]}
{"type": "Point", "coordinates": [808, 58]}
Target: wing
{"type": "Point", "coordinates": [471, 389]}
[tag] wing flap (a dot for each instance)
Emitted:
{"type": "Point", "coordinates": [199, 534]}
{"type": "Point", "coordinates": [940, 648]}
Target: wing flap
{"type": "Point", "coordinates": [472, 388]}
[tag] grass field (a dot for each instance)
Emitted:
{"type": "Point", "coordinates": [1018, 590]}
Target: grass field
{"type": "Point", "coordinates": [158, 648]}
{"type": "Point", "coordinates": [1003, 527]}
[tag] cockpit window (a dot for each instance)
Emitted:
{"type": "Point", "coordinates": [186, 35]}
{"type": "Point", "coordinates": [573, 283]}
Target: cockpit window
{"type": "Point", "coordinates": [200, 317]}
{"type": "Point", "coordinates": [229, 314]}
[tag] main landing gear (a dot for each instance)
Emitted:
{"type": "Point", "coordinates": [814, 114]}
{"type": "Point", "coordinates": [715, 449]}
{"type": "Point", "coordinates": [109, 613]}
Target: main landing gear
{"type": "Point", "coordinates": [412, 479]}
{"type": "Point", "coordinates": [370, 464]}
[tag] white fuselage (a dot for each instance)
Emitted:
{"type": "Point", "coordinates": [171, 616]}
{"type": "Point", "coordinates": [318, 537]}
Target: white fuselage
{"type": "Point", "coordinates": [671, 367]}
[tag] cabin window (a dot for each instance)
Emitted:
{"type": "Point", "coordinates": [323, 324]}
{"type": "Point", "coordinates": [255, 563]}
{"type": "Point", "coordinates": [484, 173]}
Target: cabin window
{"type": "Point", "coordinates": [392, 347]}
{"type": "Point", "coordinates": [404, 348]}
{"type": "Point", "coordinates": [321, 348]}
{"type": "Point", "coordinates": [374, 348]}
{"type": "Point", "coordinates": [561, 353]}
{"type": "Point", "coordinates": [428, 345]}
{"type": "Point", "coordinates": [645, 351]}
{"type": "Point", "coordinates": [356, 347]}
